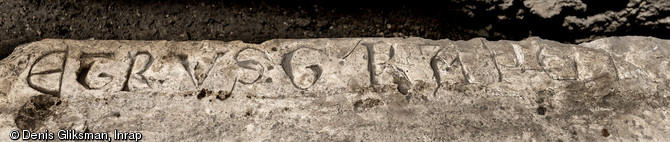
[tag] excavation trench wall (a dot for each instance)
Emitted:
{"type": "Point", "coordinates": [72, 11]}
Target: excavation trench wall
{"type": "Point", "coordinates": [256, 21]}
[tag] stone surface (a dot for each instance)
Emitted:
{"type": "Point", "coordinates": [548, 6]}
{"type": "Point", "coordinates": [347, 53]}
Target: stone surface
{"type": "Point", "coordinates": [372, 89]}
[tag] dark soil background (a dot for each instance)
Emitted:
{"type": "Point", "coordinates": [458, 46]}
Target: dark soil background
{"type": "Point", "coordinates": [255, 21]}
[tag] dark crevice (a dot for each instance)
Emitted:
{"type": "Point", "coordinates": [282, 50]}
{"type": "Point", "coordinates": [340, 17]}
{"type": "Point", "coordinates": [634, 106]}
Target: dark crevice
{"type": "Point", "coordinates": [599, 6]}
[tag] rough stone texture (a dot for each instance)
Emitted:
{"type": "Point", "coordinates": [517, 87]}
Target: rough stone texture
{"type": "Point", "coordinates": [549, 8]}
{"type": "Point", "coordinates": [644, 13]}
{"type": "Point", "coordinates": [568, 21]}
{"type": "Point", "coordinates": [373, 89]}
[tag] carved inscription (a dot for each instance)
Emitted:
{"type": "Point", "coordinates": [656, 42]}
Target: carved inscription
{"type": "Point", "coordinates": [592, 64]}
{"type": "Point", "coordinates": [518, 55]}
{"type": "Point", "coordinates": [302, 81]}
{"type": "Point", "coordinates": [46, 73]}
{"type": "Point", "coordinates": [139, 63]}
{"type": "Point", "coordinates": [375, 62]}
{"type": "Point", "coordinates": [557, 63]}
{"type": "Point", "coordinates": [379, 56]}
{"type": "Point", "coordinates": [508, 58]}
{"type": "Point", "coordinates": [199, 69]}
{"type": "Point", "coordinates": [446, 67]}
{"type": "Point", "coordinates": [245, 59]}
{"type": "Point", "coordinates": [91, 60]}
{"type": "Point", "coordinates": [382, 63]}
{"type": "Point", "coordinates": [477, 62]}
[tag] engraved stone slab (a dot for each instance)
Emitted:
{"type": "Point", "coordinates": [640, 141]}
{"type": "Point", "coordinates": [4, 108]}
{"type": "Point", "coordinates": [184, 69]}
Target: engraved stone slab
{"type": "Point", "coordinates": [350, 89]}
